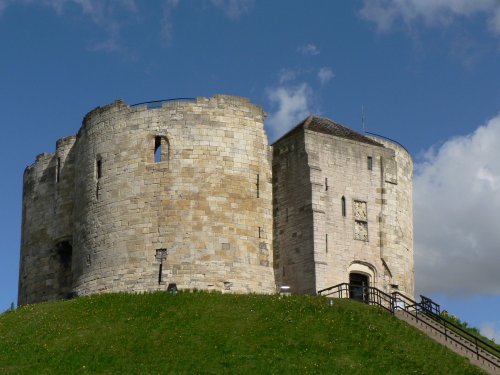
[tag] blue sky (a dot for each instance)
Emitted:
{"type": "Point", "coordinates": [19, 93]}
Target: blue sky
{"type": "Point", "coordinates": [426, 72]}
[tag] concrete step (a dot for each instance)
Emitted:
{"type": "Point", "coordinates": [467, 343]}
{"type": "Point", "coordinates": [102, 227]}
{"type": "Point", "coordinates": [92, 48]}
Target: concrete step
{"type": "Point", "coordinates": [452, 340]}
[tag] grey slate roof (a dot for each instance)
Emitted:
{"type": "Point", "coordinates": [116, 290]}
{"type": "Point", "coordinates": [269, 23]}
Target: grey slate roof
{"type": "Point", "coordinates": [327, 126]}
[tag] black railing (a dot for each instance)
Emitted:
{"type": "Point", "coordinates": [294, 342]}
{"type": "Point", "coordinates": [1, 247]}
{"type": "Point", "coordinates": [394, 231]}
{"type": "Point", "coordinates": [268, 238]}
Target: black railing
{"type": "Point", "coordinates": [425, 309]}
{"type": "Point", "coordinates": [366, 294]}
{"type": "Point", "coordinates": [429, 305]}
{"type": "Point", "coordinates": [159, 103]}
{"type": "Point", "coordinates": [446, 327]}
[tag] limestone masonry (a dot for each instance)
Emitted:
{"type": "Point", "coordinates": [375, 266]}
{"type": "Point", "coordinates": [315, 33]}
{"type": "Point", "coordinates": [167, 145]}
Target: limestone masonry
{"type": "Point", "coordinates": [190, 193]}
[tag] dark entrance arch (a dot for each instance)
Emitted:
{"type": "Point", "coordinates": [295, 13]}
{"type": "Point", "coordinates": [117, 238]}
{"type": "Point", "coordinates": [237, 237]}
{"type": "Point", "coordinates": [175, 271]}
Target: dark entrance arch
{"type": "Point", "coordinates": [358, 286]}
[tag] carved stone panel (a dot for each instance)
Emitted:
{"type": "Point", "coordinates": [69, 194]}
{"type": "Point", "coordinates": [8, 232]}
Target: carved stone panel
{"type": "Point", "coordinates": [360, 221]}
{"type": "Point", "coordinates": [360, 230]}
{"type": "Point", "coordinates": [360, 210]}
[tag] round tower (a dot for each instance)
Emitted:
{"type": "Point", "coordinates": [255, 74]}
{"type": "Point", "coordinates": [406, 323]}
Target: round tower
{"type": "Point", "coordinates": [397, 219]}
{"type": "Point", "coordinates": [177, 194]}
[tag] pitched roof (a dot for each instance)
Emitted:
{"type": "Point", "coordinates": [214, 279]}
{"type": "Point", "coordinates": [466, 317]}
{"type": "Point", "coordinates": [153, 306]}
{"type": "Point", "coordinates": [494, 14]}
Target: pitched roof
{"type": "Point", "coordinates": [327, 126]}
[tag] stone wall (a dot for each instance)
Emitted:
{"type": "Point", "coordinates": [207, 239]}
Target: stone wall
{"type": "Point", "coordinates": [207, 201]}
{"type": "Point", "coordinates": [45, 267]}
{"type": "Point", "coordinates": [371, 235]}
{"type": "Point", "coordinates": [293, 216]}
{"type": "Point", "coordinates": [397, 218]}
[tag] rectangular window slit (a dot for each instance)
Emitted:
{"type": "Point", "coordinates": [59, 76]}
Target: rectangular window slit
{"type": "Point", "coordinates": [258, 186]}
{"type": "Point", "coordinates": [326, 184]}
{"type": "Point", "coordinates": [326, 243]}
{"type": "Point", "coordinates": [58, 170]}
{"type": "Point", "coordinates": [370, 163]}
{"type": "Point", "coordinates": [99, 168]}
{"type": "Point", "coordinates": [260, 230]}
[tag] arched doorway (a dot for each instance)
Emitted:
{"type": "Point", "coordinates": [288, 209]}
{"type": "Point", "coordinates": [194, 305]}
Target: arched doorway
{"type": "Point", "coordinates": [358, 286]}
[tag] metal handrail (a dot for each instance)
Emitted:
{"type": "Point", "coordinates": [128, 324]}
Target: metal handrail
{"type": "Point", "coordinates": [419, 308]}
{"type": "Point", "coordinates": [398, 301]}
{"type": "Point", "coordinates": [162, 101]}
{"type": "Point", "coordinates": [375, 295]}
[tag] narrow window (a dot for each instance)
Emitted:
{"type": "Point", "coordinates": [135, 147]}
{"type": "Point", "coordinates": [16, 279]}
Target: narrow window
{"type": "Point", "coordinates": [287, 214]}
{"type": "Point", "coordinates": [157, 149]}
{"type": "Point", "coordinates": [99, 168]}
{"type": "Point", "coordinates": [326, 184]}
{"type": "Point", "coordinates": [58, 170]}
{"type": "Point", "coordinates": [343, 207]}
{"type": "Point", "coordinates": [260, 230]}
{"type": "Point", "coordinates": [326, 243]}
{"type": "Point", "coordinates": [98, 175]}
{"type": "Point", "coordinates": [258, 186]}
{"type": "Point", "coordinates": [370, 163]}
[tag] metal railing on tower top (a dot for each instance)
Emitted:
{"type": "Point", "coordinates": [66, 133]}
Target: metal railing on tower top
{"type": "Point", "coordinates": [159, 103]}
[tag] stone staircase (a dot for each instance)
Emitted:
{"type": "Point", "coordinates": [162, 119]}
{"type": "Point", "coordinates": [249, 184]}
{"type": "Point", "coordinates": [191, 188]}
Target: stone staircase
{"type": "Point", "coordinates": [451, 340]}
{"type": "Point", "coordinates": [426, 317]}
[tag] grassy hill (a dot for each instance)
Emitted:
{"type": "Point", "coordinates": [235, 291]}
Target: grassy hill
{"type": "Point", "coordinates": [213, 333]}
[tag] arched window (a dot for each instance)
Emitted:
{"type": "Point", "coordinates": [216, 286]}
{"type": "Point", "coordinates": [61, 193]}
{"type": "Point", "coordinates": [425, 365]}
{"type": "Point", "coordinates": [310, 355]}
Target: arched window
{"type": "Point", "coordinates": [162, 149]}
{"type": "Point", "coordinates": [343, 207]}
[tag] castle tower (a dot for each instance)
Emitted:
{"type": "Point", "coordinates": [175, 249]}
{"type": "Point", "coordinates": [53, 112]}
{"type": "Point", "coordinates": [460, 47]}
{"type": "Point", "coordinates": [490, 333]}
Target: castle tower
{"type": "Point", "coordinates": [143, 197]}
{"type": "Point", "coordinates": [343, 209]}
{"type": "Point", "coordinates": [150, 195]}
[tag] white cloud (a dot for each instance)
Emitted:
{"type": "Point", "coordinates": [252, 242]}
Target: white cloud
{"type": "Point", "coordinates": [234, 8]}
{"type": "Point", "coordinates": [386, 13]}
{"type": "Point", "coordinates": [292, 105]}
{"type": "Point", "coordinates": [309, 49]}
{"type": "Point", "coordinates": [325, 74]}
{"type": "Point", "coordinates": [457, 213]}
{"type": "Point", "coordinates": [491, 330]}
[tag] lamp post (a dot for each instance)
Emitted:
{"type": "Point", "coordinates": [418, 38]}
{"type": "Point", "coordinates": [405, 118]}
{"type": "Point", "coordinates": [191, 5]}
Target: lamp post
{"type": "Point", "coordinates": [161, 254]}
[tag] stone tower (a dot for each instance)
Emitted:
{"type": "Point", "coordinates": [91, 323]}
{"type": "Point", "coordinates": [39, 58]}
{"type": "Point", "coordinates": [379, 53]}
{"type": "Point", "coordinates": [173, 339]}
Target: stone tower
{"type": "Point", "coordinates": [182, 192]}
{"type": "Point", "coordinates": [342, 209]}
{"type": "Point", "coordinates": [143, 197]}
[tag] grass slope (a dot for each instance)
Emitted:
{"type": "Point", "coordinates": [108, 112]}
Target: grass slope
{"type": "Point", "coordinates": [215, 334]}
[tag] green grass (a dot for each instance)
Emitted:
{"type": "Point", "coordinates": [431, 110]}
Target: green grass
{"type": "Point", "coordinates": [194, 333]}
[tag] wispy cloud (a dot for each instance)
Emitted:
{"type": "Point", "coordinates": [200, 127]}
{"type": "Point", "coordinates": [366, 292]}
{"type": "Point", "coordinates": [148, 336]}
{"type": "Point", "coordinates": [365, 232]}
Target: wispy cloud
{"type": "Point", "coordinates": [309, 49]}
{"type": "Point", "coordinates": [287, 74]}
{"type": "Point", "coordinates": [291, 104]}
{"type": "Point", "coordinates": [107, 15]}
{"type": "Point", "coordinates": [456, 213]}
{"type": "Point", "coordinates": [167, 20]}
{"type": "Point", "coordinates": [325, 74]}
{"type": "Point", "coordinates": [3, 5]}
{"type": "Point", "coordinates": [388, 13]}
{"type": "Point", "coordinates": [234, 8]}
